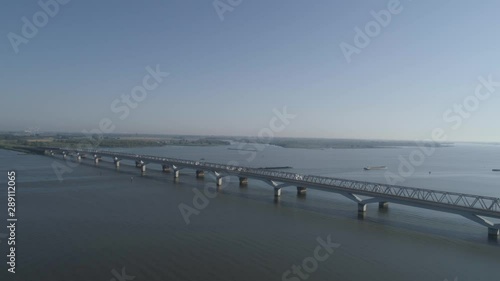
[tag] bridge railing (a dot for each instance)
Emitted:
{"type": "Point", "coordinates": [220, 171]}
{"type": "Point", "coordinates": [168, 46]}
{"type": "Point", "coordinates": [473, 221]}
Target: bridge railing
{"type": "Point", "coordinates": [442, 197]}
{"type": "Point", "coordinates": [437, 196]}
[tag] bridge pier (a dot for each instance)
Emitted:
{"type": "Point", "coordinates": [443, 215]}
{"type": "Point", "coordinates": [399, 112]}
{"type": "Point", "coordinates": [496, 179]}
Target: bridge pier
{"type": "Point", "coordinates": [218, 181]}
{"type": "Point", "coordinates": [383, 205]}
{"type": "Point", "coordinates": [176, 174]}
{"type": "Point", "coordinates": [96, 161]}
{"type": "Point", "coordinates": [243, 181]}
{"type": "Point", "coordinates": [277, 191]}
{"type": "Point", "coordinates": [493, 232]}
{"type": "Point", "coordinates": [143, 169]}
{"type": "Point", "coordinates": [165, 168]}
{"type": "Point", "coordinates": [361, 208]}
{"type": "Point", "coordinates": [200, 174]}
{"type": "Point", "coordinates": [301, 190]}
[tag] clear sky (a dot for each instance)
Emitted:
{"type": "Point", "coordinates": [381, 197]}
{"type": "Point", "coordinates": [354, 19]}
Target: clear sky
{"type": "Point", "coordinates": [227, 76]}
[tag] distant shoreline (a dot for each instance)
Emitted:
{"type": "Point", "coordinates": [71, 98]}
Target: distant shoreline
{"type": "Point", "coordinates": [29, 142]}
{"type": "Point", "coordinates": [341, 144]}
{"type": "Point", "coordinates": [17, 141]}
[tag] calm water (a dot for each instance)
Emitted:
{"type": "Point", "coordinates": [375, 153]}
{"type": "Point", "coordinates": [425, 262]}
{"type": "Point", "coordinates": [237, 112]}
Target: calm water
{"type": "Point", "coordinates": [97, 220]}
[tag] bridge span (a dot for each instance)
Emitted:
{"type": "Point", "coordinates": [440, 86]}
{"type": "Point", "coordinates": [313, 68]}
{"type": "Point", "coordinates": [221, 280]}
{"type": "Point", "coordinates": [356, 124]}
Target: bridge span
{"type": "Point", "coordinates": [473, 207]}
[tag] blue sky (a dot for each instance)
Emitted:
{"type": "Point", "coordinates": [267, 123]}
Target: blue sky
{"type": "Point", "coordinates": [227, 76]}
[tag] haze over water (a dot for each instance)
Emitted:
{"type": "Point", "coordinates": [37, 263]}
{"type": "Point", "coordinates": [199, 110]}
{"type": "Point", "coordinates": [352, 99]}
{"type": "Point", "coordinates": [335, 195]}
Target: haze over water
{"type": "Point", "coordinates": [312, 74]}
{"type": "Point", "coordinates": [97, 220]}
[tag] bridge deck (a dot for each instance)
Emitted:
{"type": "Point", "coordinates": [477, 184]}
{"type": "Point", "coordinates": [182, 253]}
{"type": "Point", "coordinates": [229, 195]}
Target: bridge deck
{"type": "Point", "coordinates": [460, 203]}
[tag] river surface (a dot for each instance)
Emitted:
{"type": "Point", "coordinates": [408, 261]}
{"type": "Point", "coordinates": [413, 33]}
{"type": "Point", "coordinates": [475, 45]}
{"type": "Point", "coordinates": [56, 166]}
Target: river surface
{"type": "Point", "coordinates": [99, 223]}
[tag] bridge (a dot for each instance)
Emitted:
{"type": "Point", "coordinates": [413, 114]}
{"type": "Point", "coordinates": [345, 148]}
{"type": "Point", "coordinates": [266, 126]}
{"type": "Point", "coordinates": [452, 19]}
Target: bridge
{"type": "Point", "coordinates": [473, 207]}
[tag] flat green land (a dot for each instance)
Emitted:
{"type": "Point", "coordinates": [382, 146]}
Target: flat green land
{"type": "Point", "coordinates": [23, 142]}
{"type": "Point", "coordinates": [20, 142]}
{"type": "Point", "coordinates": [340, 143]}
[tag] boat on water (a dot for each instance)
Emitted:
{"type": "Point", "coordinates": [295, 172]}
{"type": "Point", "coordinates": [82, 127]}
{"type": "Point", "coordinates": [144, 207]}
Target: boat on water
{"type": "Point", "coordinates": [375, 168]}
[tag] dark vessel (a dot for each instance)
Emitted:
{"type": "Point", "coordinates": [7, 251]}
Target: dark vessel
{"type": "Point", "coordinates": [375, 168]}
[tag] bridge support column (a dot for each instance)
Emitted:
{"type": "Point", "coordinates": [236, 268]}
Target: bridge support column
{"type": "Point", "coordinates": [176, 174]}
{"type": "Point", "coordinates": [383, 205]}
{"type": "Point", "coordinates": [277, 191]}
{"type": "Point", "coordinates": [165, 168]}
{"type": "Point", "coordinates": [243, 181]}
{"type": "Point", "coordinates": [96, 161]}
{"type": "Point", "coordinates": [143, 169]}
{"type": "Point", "coordinates": [301, 190]}
{"type": "Point", "coordinates": [493, 232]}
{"type": "Point", "coordinates": [361, 208]}
{"type": "Point", "coordinates": [218, 181]}
{"type": "Point", "coordinates": [200, 174]}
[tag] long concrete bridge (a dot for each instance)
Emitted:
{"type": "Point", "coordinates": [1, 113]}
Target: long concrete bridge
{"type": "Point", "coordinates": [474, 207]}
